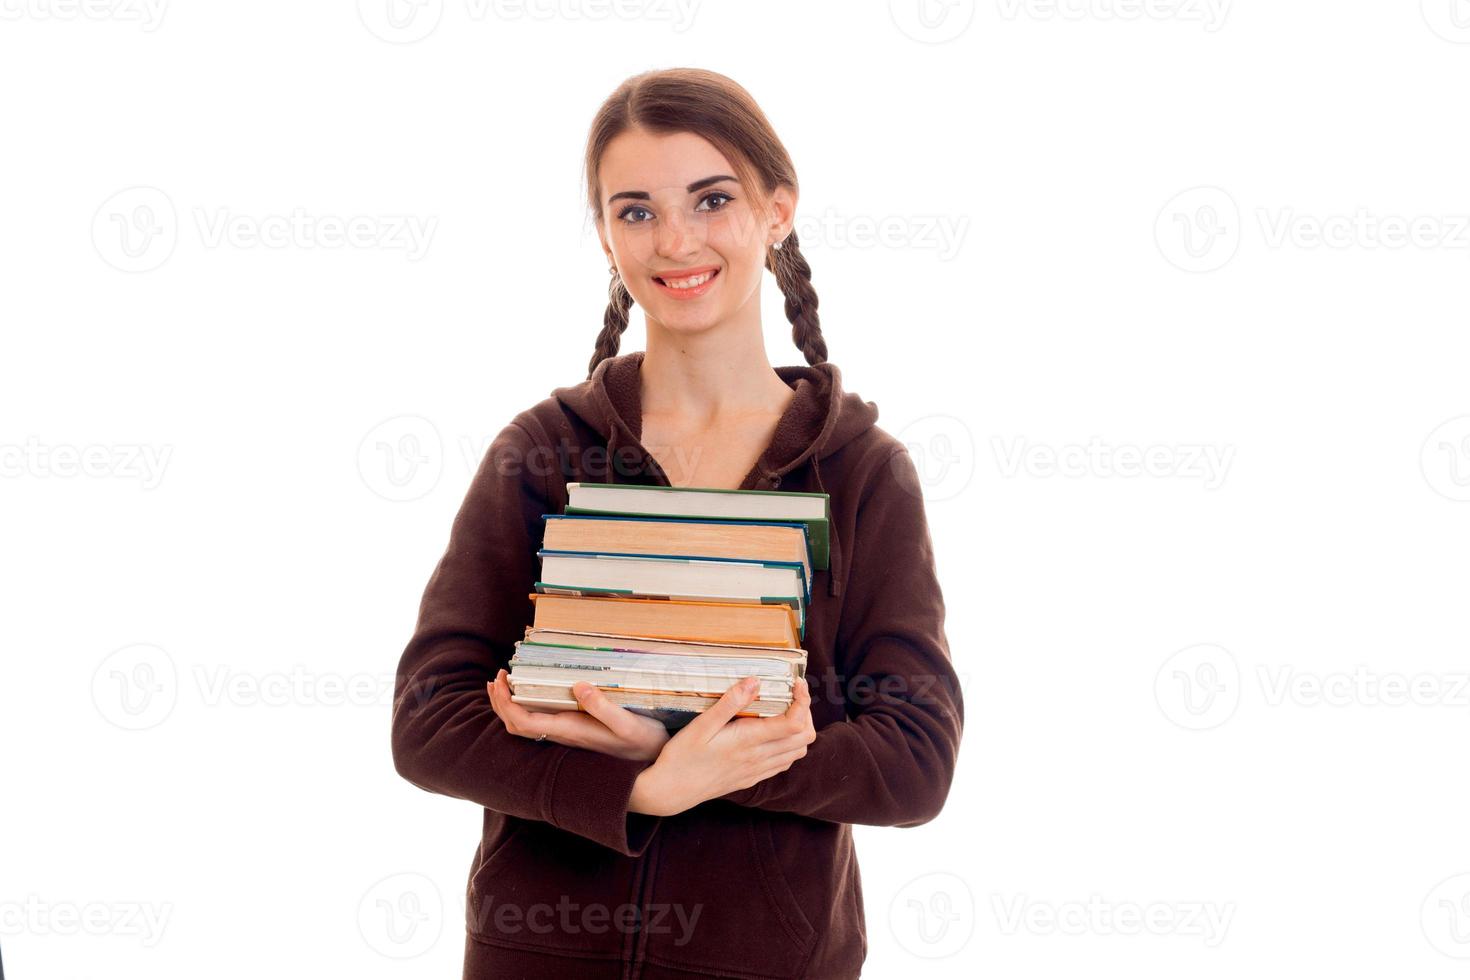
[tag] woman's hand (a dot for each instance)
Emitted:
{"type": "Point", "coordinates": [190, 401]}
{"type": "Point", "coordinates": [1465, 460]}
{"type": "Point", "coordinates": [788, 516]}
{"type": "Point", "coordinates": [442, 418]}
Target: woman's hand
{"type": "Point", "coordinates": [600, 726]}
{"type": "Point", "coordinates": [713, 755]}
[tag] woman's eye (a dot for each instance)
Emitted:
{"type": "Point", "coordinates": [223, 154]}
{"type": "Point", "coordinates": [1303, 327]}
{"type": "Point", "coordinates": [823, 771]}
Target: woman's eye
{"type": "Point", "coordinates": [628, 213]}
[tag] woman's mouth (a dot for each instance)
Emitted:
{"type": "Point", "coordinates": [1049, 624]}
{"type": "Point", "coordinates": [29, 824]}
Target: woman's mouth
{"type": "Point", "coordinates": [688, 286]}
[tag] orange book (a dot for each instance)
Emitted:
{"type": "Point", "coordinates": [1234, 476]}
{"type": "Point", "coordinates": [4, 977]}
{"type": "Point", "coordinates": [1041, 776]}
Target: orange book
{"type": "Point", "coordinates": [754, 623]}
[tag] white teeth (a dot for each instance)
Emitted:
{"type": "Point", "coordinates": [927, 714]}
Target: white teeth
{"type": "Point", "coordinates": [689, 283]}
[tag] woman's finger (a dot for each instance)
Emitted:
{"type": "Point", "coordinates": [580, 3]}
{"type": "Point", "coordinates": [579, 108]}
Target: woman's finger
{"type": "Point", "coordinates": [799, 713]}
{"type": "Point", "coordinates": [516, 717]}
{"type": "Point", "coordinates": [783, 762]}
{"type": "Point", "coordinates": [500, 694]}
{"type": "Point", "coordinates": [784, 744]}
{"type": "Point", "coordinates": [520, 720]}
{"type": "Point", "coordinates": [801, 697]}
{"type": "Point", "coordinates": [708, 722]}
{"type": "Point", "coordinates": [597, 704]}
{"type": "Point", "coordinates": [788, 728]}
{"type": "Point", "coordinates": [616, 718]}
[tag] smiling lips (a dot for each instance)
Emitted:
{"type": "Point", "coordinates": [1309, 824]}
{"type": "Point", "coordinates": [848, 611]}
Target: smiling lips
{"type": "Point", "coordinates": [688, 283]}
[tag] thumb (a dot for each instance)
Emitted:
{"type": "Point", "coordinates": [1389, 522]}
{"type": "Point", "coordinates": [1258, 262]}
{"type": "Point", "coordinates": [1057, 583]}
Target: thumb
{"type": "Point", "coordinates": [713, 718]}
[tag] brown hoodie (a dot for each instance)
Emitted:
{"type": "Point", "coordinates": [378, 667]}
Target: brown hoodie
{"type": "Point", "coordinates": [762, 882]}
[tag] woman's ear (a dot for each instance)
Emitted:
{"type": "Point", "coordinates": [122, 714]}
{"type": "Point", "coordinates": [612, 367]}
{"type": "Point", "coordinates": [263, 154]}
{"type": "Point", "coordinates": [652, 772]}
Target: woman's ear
{"type": "Point", "coordinates": [782, 209]}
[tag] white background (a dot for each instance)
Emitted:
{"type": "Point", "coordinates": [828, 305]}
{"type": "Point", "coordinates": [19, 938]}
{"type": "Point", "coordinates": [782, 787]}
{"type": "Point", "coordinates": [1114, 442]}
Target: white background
{"type": "Point", "coordinates": [1216, 708]}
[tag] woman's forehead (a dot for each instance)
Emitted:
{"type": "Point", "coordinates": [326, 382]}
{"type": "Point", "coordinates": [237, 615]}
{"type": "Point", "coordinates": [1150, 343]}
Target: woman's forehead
{"type": "Point", "coordinates": [641, 161]}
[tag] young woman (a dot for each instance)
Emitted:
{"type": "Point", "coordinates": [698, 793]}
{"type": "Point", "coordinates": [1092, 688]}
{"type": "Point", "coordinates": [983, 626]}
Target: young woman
{"type": "Point", "coordinates": [611, 849]}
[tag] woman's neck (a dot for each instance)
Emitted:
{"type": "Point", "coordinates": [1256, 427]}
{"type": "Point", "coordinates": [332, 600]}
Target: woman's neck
{"type": "Point", "coordinates": [714, 376]}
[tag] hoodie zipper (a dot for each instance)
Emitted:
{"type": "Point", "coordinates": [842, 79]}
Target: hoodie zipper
{"type": "Point", "coordinates": [633, 969]}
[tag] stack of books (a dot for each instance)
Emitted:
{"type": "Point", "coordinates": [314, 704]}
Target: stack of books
{"type": "Point", "coordinates": [664, 597]}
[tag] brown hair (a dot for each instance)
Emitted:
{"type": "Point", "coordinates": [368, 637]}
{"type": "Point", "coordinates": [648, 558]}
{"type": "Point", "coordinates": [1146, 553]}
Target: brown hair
{"type": "Point", "coordinates": [706, 103]}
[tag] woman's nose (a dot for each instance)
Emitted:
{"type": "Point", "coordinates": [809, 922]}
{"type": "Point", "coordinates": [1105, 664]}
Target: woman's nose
{"type": "Point", "coordinates": [677, 233]}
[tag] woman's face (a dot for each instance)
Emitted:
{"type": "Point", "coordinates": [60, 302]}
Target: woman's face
{"type": "Point", "coordinates": [688, 239]}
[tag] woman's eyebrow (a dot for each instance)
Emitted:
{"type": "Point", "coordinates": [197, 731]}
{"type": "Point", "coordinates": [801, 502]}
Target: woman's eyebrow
{"type": "Point", "coordinates": [697, 185]}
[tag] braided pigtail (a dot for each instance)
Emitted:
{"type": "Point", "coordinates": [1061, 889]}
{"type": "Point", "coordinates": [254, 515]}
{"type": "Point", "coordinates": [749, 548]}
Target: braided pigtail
{"type": "Point", "coordinates": [614, 321]}
{"type": "Point", "coordinates": [794, 276]}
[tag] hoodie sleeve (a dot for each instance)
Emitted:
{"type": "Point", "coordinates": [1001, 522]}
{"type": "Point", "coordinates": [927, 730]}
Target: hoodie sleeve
{"type": "Point", "coordinates": [890, 762]}
{"type": "Point", "coordinates": [446, 735]}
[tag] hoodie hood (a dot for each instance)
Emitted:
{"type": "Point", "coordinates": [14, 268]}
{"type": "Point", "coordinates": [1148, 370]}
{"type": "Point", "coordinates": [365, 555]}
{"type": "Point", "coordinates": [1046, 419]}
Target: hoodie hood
{"type": "Point", "coordinates": [820, 420]}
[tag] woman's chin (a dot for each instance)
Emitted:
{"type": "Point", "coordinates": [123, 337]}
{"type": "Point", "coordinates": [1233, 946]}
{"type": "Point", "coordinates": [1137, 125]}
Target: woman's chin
{"type": "Point", "coordinates": [683, 320]}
